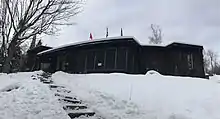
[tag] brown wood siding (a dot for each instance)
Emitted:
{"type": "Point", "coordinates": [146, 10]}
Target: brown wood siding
{"type": "Point", "coordinates": [127, 56]}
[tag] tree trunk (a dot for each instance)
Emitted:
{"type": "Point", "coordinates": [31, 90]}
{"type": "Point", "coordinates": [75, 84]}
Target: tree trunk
{"type": "Point", "coordinates": [11, 51]}
{"type": "Point", "coordinates": [22, 63]}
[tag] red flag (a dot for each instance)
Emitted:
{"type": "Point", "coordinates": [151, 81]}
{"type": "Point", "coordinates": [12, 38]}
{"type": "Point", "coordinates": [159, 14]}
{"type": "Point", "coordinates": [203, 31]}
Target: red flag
{"type": "Point", "coordinates": [90, 36]}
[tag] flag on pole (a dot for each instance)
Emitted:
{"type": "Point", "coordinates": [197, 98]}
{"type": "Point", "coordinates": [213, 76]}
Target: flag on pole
{"type": "Point", "coordinates": [121, 32]}
{"type": "Point", "coordinates": [90, 36]}
{"type": "Point", "coordinates": [106, 32]}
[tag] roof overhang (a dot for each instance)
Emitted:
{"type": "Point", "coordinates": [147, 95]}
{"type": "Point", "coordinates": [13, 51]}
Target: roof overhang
{"type": "Point", "coordinates": [90, 42]}
{"type": "Point", "coordinates": [39, 49]}
{"type": "Point", "coordinates": [112, 39]}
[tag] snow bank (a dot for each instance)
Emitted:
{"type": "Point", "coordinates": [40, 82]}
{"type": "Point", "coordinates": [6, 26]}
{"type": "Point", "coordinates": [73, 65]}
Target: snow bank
{"type": "Point", "coordinates": [215, 78]}
{"type": "Point", "coordinates": [6, 81]}
{"type": "Point", "coordinates": [31, 100]}
{"type": "Point", "coordinates": [10, 87]}
{"type": "Point", "coordinates": [146, 96]}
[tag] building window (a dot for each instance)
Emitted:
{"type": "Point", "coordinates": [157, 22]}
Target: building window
{"type": "Point", "coordinates": [90, 60]}
{"type": "Point", "coordinates": [176, 69]}
{"type": "Point", "coordinates": [58, 63]}
{"type": "Point", "coordinates": [110, 58]}
{"type": "Point", "coordinates": [45, 66]}
{"type": "Point", "coordinates": [121, 58]}
{"type": "Point", "coordinates": [99, 59]}
{"type": "Point", "coordinates": [190, 60]}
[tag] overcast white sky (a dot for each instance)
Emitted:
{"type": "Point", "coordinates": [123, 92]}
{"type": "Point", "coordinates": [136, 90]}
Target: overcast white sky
{"type": "Point", "coordinates": [190, 21]}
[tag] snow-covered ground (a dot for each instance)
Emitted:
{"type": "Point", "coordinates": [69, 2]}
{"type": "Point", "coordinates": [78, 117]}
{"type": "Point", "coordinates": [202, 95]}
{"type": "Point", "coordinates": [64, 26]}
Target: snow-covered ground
{"type": "Point", "coordinates": [215, 78]}
{"type": "Point", "coordinates": [113, 96]}
{"type": "Point", "coordinates": [151, 96]}
{"type": "Point", "coordinates": [31, 100]}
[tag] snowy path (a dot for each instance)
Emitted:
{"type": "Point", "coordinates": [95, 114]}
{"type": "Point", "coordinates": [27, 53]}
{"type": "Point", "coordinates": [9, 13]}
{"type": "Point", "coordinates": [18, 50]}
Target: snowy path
{"type": "Point", "coordinates": [105, 105]}
{"type": "Point", "coordinates": [74, 107]}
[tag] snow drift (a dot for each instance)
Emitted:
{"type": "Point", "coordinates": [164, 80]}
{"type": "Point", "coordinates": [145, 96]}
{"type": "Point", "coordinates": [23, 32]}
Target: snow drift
{"type": "Point", "coordinates": [28, 99]}
{"type": "Point", "coordinates": [151, 96]}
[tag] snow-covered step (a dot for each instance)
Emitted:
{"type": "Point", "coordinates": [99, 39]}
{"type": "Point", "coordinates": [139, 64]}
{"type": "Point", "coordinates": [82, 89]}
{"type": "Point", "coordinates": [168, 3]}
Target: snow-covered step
{"type": "Point", "coordinates": [70, 100]}
{"type": "Point", "coordinates": [34, 77]}
{"type": "Point", "coordinates": [42, 79]}
{"type": "Point", "coordinates": [61, 90]}
{"type": "Point", "coordinates": [55, 86]}
{"type": "Point", "coordinates": [46, 75]}
{"type": "Point", "coordinates": [47, 82]}
{"type": "Point", "coordinates": [64, 95]}
{"type": "Point", "coordinates": [65, 91]}
{"type": "Point", "coordinates": [78, 113]}
{"type": "Point", "coordinates": [74, 106]}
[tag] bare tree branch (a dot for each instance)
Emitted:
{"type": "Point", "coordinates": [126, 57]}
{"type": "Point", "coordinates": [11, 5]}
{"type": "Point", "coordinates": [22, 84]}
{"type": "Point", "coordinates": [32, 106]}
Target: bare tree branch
{"type": "Point", "coordinates": [211, 61]}
{"type": "Point", "coordinates": [156, 37]}
{"type": "Point", "coordinates": [10, 14]}
{"type": "Point", "coordinates": [27, 18]}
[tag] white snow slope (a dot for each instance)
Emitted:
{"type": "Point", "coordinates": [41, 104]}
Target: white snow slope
{"type": "Point", "coordinates": [151, 96]}
{"type": "Point", "coordinates": [32, 99]}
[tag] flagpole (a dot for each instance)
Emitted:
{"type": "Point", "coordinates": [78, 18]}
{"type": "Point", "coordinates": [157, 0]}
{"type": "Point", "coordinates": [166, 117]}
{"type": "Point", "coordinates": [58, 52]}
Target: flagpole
{"type": "Point", "coordinates": [106, 32]}
{"type": "Point", "coordinates": [121, 32]}
{"type": "Point", "coordinates": [90, 36]}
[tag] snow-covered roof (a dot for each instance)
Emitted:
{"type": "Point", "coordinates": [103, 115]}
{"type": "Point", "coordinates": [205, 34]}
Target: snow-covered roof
{"type": "Point", "coordinates": [170, 43]}
{"type": "Point", "coordinates": [91, 41]}
{"type": "Point", "coordinates": [94, 41]}
{"type": "Point", "coordinates": [183, 43]}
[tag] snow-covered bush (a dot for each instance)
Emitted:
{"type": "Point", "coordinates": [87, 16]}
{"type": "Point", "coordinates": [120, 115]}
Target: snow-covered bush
{"type": "Point", "coordinates": [152, 72]}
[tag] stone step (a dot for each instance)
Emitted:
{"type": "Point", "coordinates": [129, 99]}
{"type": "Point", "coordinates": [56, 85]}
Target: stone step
{"type": "Point", "coordinates": [70, 100]}
{"type": "Point", "coordinates": [63, 90]}
{"type": "Point", "coordinates": [64, 96]}
{"type": "Point", "coordinates": [42, 79]}
{"type": "Point", "coordinates": [78, 113]}
{"type": "Point", "coordinates": [47, 82]}
{"type": "Point", "coordinates": [46, 75]}
{"type": "Point", "coordinates": [34, 78]}
{"type": "Point", "coordinates": [74, 106]}
{"type": "Point", "coordinates": [55, 86]}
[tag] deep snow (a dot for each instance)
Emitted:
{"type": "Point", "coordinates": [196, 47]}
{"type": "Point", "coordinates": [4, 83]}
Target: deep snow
{"type": "Point", "coordinates": [113, 96]}
{"type": "Point", "coordinates": [150, 96]}
{"type": "Point", "coordinates": [32, 100]}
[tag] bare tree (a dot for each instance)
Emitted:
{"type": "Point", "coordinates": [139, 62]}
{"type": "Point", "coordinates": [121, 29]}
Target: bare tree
{"type": "Point", "coordinates": [33, 42]}
{"type": "Point", "coordinates": [211, 61]}
{"type": "Point", "coordinates": [22, 19]}
{"type": "Point", "coordinates": [156, 37]}
{"type": "Point", "coordinates": [206, 62]}
{"type": "Point", "coordinates": [3, 23]}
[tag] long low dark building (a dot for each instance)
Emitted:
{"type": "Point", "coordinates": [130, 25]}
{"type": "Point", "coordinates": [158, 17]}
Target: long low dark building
{"type": "Point", "coordinates": [125, 55]}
